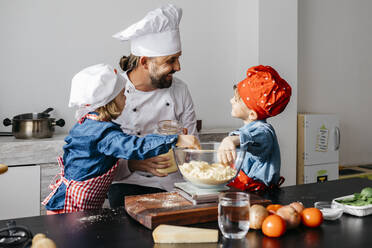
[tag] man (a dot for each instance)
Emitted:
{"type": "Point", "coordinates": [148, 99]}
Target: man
{"type": "Point", "coordinates": [152, 95]}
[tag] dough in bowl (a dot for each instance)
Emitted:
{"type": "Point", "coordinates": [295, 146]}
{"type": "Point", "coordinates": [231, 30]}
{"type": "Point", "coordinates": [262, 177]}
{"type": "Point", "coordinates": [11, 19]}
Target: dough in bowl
{"type": "Point", "coordinates": [205, 173]}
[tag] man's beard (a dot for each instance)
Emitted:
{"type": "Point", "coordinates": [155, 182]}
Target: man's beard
{"type": "Point", "coordinates": [161, 82]}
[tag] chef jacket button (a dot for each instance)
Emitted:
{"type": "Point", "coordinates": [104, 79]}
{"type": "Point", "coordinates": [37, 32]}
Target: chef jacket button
{"type": "Point", "coordinates": [138, 133]}
{"type": "Point", "coordinates": [128, 91]}
{"type": "Point", "coordinates": [134, 110]}
{"type": "Point", "coordinates": [167, 104]}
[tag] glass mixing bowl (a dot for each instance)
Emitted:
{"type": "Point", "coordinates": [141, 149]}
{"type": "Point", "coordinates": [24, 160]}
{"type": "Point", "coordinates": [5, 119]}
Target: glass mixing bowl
{"type": "Point", "coordinates": [202, 169]}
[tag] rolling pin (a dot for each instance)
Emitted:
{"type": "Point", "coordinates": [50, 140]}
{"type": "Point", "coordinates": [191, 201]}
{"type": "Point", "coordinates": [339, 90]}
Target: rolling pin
{"type": "Point", "coordinates": [3, 168]}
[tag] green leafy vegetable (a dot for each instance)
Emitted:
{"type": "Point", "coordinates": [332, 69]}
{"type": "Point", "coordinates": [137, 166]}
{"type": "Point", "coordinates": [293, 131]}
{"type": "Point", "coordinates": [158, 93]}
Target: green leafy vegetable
{"type": "Point", "coordinates": [366, 192]}
{"type": "Point", "coordinates": [360, 199]}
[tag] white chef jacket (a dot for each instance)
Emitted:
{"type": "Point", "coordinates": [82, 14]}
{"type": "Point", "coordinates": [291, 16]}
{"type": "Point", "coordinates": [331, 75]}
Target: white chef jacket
{"type": "Point", "coordinates": [142, 112]}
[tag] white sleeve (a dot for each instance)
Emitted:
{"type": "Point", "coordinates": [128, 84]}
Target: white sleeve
{"type": "Point", "coordinates": [188, 117]}
{"type": "Point", "coordinates": [122, 171]}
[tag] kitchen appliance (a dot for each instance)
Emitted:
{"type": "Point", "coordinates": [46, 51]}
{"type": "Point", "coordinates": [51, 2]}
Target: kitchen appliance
{"type": "Point", "coordinates": [33, 125]}
{"type": "Point", "coordinates": [15, 236]}
{"type": "Point", "coordinates": [318, 143]}
{"type": "Point", "coordinates": [198, 195]}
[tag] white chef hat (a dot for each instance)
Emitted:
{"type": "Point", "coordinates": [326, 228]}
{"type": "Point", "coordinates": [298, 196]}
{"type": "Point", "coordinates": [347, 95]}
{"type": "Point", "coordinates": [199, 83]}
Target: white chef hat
{"type": "Point", "coordinates": [157, 34]}
{"type": "Point", "coordinates": [94, 87]}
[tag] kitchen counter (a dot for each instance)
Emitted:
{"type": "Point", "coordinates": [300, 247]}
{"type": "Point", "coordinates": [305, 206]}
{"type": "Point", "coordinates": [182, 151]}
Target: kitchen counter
{"type": "Point", "coordinates": [114, 228]}
{"type": "Point", "coordinates": [30, 151]}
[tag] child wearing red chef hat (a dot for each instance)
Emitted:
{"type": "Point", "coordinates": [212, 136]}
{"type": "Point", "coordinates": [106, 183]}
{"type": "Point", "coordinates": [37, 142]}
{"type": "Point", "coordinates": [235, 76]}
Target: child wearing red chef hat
{"type": "Point", "coordinates": [262, 94]}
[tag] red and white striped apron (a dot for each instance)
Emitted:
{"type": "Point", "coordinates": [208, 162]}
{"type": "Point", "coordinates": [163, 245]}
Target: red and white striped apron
{"type": "Point", "coordinates": [82, 195]}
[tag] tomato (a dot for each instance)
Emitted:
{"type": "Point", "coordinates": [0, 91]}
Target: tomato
{"type": "Point", "coordinates": [311, 217]}
{"type": "Point", "coordinates": [273, 226]}
{"type": "Point", "coordinates": [272, 208]}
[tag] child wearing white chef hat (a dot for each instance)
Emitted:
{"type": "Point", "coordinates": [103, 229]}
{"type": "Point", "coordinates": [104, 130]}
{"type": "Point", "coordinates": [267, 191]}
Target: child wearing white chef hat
{"type": "Point", "coordinates": [95, 143]}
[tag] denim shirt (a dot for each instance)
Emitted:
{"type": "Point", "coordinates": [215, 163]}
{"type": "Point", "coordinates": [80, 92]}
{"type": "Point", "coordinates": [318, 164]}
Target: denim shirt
{"type": "Point", "coordinates": [94, 147]}
{"type": "Point", "coordinates": [262, 159]}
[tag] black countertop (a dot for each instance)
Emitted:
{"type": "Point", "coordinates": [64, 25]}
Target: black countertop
{"type": "Point", "coordinates": [114, 228]}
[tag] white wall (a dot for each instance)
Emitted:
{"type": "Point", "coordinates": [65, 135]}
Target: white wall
{"type": "Point", "coordinates": [44, 43]}
{"type": "Point", "coordinates": [335, 64]}
{"type": "Point", "coordinates": [278, 48]}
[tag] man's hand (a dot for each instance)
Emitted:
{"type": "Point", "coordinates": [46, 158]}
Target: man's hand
{"type": "Point", "coordinates": [188, 141]}
{"type": "Point", "coordinates": [227, 149]}
{"type": "Point", "coordinates": [150, 165]}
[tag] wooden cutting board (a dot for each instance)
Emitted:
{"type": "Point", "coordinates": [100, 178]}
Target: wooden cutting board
{"type": "Point", "coordinates": [152, 210]}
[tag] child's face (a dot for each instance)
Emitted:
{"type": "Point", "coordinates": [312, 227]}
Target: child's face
{"type": "Point", "coordinates": [120, 100]}
{"type": "Point", "coordinates": [238, 107]}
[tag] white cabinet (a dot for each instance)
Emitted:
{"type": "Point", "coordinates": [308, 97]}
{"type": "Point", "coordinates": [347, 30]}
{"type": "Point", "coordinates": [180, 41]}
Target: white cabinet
{"type": "Point", "coordinates": [20, 192]}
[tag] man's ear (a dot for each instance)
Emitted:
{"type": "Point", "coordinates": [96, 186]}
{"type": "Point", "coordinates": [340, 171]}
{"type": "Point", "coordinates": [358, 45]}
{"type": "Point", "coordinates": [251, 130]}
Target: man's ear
{"type": "Point", "coordinates": [144, 62]}
{"type": "Point", "coordinates": [252, 115]}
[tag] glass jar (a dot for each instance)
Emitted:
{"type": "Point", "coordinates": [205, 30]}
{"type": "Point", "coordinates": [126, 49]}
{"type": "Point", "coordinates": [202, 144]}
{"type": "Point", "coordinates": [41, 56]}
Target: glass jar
{"type": "Point", "coordinates": [169, 127]}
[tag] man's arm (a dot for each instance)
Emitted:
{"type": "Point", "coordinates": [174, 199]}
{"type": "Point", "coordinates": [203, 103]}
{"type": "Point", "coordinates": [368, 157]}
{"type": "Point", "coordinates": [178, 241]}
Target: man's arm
{"type": "Point", "coordinates": [188, 117]}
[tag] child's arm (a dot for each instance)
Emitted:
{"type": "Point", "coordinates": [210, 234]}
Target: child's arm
{"type": "Point", "coordinates": [121, 145]}
{"type": "Point", "coordinates": [258, 142]}
{"type": "Point", "coordinates": [227, 149]}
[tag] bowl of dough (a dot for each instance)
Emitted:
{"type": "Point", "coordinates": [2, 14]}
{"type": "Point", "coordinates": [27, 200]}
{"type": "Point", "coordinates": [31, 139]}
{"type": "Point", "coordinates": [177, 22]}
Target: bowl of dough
{"type": "Point", "coordinates": [202, 168]}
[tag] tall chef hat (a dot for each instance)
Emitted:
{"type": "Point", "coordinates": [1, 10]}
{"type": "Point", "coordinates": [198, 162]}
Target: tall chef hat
{"type": "Point", "coordinates": [94, 87]}
{"type": "Point", "coordinates": [157, 34]}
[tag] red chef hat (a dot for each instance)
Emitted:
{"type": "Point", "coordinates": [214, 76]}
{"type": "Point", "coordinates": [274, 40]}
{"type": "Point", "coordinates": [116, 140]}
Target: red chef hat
{"type": "Point", "coordinates": [264, 91]}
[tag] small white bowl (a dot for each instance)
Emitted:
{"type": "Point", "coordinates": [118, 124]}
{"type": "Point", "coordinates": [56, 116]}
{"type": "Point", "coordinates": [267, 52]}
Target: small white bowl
{"type": "Point", "coordinates": [329, 210]}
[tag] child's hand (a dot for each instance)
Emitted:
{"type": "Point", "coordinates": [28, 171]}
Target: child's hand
{"type": "Point", "coordinates": [227, 149]}
{"type": "Point", "coordinates": [188, 141]}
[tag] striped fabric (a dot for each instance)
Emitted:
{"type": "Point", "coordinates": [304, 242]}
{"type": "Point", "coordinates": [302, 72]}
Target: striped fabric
{"type": "Point", "coordinates": [88, 194]}
{"type": "Point", "coordinates": [83, 195]}
{"type": "Point", "coordinates": [89, 116]}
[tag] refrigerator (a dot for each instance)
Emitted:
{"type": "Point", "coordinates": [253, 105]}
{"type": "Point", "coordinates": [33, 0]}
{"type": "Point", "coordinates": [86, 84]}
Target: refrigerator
{"type": "Point", "coordinates": [318, 143]}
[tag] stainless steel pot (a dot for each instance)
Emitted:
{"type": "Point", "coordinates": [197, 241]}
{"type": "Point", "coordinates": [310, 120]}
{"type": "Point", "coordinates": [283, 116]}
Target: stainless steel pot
{"type": "Point", "coordinates": [33, 125]}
